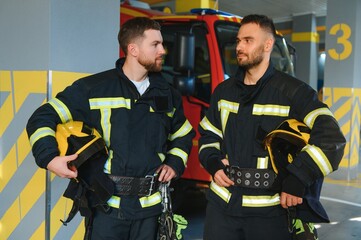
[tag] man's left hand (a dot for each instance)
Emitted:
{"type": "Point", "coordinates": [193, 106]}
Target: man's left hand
{"type": "Point", "coordinates": [166, 173]}
{"type": "Point", "coordinates": [288, 200]}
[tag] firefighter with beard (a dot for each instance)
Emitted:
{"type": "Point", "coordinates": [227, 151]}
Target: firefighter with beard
{"type": "Point", "coordinates": [247, 200]}
{"type": "Point", "coordinates": [139, 116]}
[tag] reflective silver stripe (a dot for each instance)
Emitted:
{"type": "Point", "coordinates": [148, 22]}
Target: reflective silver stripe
{"type": "Point", "coordinates": [119, 102]}
{"type": "Point", "coordinates": [262, 162]}
{"type": "Point", "coordinates": [210, 145]}
{"type": "Point", "coordinates": [114, 202]}
{"type": "Point", "coordinates": [311, 117]}
{"type": "Point", "coordinates": [226, 107]}
{"type": "Point", "coordinates": [108, 163]}
{"type": "Point", "coordinates": [222, 192]}
{"type": "Point", "coordinates": [179, 153]}
{"type": "Point", "coordinates": [319, 158]}
{"type": "Point", "coordinates": [260, 201]}
{"type": "Point", "coordinates": [271, 110]}
{"type": "Point", "coordinates": [182, 131]}
{"type": "Point", "coordinates": [40, 133]}
{"type": "Point", "coordinates": [61, 109]}
{"type": "Point", "coordinates": [151, 200]}
{"type": "Point", "coordinates": [206, 125]}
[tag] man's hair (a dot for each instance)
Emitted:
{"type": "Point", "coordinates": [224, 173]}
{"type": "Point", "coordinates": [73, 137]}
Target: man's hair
{"type": "Point", "coordinates": [133, 29]}
{"type": "Point", "coordinates": [263, 21]}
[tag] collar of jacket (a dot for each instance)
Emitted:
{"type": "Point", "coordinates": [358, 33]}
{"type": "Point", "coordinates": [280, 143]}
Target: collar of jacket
{"type": "Point", "coordinates": [246, 94]}
{"type": "Point", "coordinates": [156, 79]}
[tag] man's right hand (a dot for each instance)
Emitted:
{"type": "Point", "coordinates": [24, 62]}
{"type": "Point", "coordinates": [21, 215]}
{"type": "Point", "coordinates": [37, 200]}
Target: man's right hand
{"type": "Point", "coordinates": [220, 178]}
{"type": "Point", "coordinates": [59, 166]}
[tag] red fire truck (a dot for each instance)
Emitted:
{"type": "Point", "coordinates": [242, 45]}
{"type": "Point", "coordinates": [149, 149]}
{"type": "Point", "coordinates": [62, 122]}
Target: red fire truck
{"type": "Point", "coordinates": [200, 50]}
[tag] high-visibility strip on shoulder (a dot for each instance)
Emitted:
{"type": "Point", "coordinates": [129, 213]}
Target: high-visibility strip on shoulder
{"type": "Point", "coordinates": [319, 158]}
{"type": "Point", "coordinates": [260, 201]}
{"type": "Point", "coordinates": [182, 131]}
{"type": "Point", "coordinates": [222, 192]}
{"type": "Point", "coordinates": [311, 117]}
{"type": "Point", "coordinates": [151, 200]}
{"type": "Point", "coordinates": [207, 125]}
{"type": "Point", "coordinates": [271, 110]}
{"type": "Point", "coordinates": [179, 153]}
{"type": "Point", "coordinates": [215, 145]}
{"type": "Point", "coordinates": [61, 109]}
{"type": "Point", "coordinates": [119, 102]}
{"type": "Point", "coordinates": [40, 133]}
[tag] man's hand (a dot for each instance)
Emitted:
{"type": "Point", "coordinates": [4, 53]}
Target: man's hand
{"type": "Point", "coordinates": [166, 173]}
{"type": "Point", "coordinates": [288, 200]}
{"type": "Point", "coordinates": [220, 178]}
{"type": "Point", "coordinates": [59, 166]}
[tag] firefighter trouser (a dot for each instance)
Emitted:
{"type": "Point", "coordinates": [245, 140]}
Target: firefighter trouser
{"type": "Point", "coordinates": [114, 226]}
{"type": "Point", "coordinates": [221, 226]}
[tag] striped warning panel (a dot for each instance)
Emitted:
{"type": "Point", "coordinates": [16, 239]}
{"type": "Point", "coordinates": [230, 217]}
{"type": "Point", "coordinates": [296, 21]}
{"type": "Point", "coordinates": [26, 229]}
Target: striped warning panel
{"type": "Point", "coordinates": [345, 105]}
{"type": "Point", "coordinates": [22, 183]}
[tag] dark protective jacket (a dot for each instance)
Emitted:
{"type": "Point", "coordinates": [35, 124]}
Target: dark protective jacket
{"type": "Point", "coordinates": [140, 132]}
{"type": "Point", "coordinates": [234, 126]}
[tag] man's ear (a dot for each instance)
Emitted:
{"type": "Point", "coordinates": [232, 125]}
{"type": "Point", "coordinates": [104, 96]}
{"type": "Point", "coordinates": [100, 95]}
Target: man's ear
{"type": "Point", "coordinates": [269, 44]}
{"type": "Point", "coordinates": [133, 49]}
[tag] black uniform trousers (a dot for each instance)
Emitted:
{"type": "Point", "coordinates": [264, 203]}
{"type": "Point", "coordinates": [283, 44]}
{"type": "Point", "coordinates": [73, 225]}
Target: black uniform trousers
{"type": "Point", "coordinates": [219, 225]}
{"type": "Point", "coordinates": [113, 226]}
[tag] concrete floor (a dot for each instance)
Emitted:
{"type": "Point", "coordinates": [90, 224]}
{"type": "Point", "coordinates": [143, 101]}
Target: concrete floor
{"type": "Point", "coordinates": [341, 199]}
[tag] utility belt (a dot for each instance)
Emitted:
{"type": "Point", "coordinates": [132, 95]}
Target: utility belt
{"type": "Point", "coordinates": [132, 186]}
{"type": "Point", "coordinates": [250, 177]}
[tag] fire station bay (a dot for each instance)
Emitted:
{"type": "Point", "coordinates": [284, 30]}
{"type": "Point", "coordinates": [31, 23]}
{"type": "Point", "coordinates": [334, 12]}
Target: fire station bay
{"type": "Point", "coordinates": [45, 45]}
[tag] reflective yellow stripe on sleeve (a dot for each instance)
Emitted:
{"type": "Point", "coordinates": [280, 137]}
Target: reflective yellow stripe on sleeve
{"type": "Point", "coordinates": [319, 158]}
{"type": "Point", "coordinates": [182, 131]}
{"type": "Point", "coordinates": [207, 125]}
{"type": "Point", "coordinates": [151, 200]}
{"type": "Point", "coordinates": [222, 192]}
{"type": "Point", "coordinates": [61, 109]}
{"type": "Point", "coordinates": [40, 133]}
{"type": "Point", "coordinates": [260, 201]}
{"type": "Point", "coordinates": [311, 117]}
{"type": "Point", "coordinates": [179, 153]}
{"type": "Point", "coordinates": [161, 156]}
{"type": "Point", "coordinates": [271, 110]}
{"type": "Point", "coordinates": [210, 145]}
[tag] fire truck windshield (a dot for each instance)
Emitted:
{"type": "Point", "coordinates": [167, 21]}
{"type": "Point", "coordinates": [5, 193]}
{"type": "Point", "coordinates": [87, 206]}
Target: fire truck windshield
{"type": "Point", "coordinates": [226, 33]}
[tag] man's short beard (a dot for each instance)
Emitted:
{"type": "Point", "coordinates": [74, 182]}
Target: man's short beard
{"type": "Point", "coordinates": [251, 64]}
{"type": "Point", "coordinates": [150, 66]}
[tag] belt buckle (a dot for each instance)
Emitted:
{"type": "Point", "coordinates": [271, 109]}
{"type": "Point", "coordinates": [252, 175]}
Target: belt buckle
{"type": "Point", "coordinates": [152, 183]}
